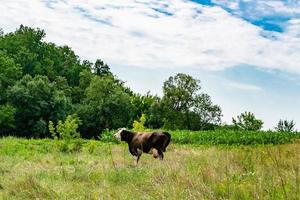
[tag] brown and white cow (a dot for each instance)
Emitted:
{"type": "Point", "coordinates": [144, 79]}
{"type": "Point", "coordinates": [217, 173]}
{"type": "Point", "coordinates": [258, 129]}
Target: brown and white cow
{"type": "Point", "coordinates": [139, 142]}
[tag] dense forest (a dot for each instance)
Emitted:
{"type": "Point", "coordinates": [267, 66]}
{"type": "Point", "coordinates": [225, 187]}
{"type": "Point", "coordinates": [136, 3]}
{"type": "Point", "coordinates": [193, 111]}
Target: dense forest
{"type": "Point", "coordinates": [42, 82]}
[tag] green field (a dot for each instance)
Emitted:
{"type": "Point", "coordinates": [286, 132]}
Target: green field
{"type": "Point", "coordinates": [37, 169]}
{"type": "Point", "coordinates": [224, 137]}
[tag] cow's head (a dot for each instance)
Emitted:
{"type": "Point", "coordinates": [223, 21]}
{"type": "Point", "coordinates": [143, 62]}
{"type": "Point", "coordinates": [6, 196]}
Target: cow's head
{"type": "Point", "coordinates": [121, 135]}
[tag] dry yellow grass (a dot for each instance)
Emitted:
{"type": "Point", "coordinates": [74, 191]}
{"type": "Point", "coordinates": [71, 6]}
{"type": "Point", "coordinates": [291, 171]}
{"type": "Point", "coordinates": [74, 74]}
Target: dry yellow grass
{"type": "Point", "coordinates": [37, 170]}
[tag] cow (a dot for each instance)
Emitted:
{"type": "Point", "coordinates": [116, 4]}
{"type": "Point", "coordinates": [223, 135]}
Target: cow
{"type": "Point", "coordinates": [147, 142]}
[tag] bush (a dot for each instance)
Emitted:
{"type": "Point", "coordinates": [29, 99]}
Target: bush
{"type": "Point", "coordinates": [285, 126]}
{"type": "Point", "coordinates": [66, 135]}
{"type": "Point", "coordinates": [108, 136]}
{"type": "Point", "coordinates": [140, 124]}
{"type": "Point", "coordinates": [247, 121]}
{"type": "Point", "coordinates": [91, 146]}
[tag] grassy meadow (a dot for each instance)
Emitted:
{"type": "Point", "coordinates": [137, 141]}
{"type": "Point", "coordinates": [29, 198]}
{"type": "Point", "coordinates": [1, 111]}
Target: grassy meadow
{"type": "Point", "coordinates": [38, 169]}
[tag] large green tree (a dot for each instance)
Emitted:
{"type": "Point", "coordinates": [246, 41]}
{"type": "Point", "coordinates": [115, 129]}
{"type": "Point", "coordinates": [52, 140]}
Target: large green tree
{"type": "Point", "coordinates": [9, 74]}
{"type": "Point", "coordinates": [149, 106]}
{"type": "Point", "coordinates": [206, 114]}
{"type": "Point", "coordinates": [107, 106]}
{"type": "Point", "coordinates": [36, 57]}
{"type": "Point", "coordinates": [37, 100]}
{"type": "Point", "coordinates": [185, 107]}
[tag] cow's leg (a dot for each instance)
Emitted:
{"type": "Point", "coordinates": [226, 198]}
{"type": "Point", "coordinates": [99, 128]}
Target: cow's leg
{"type": "Point", "coordinates": [155, 153]}
{"type": "Point", "coordinates": [139, 153]}
{"type": "Point", "coordinates": [160, 155]}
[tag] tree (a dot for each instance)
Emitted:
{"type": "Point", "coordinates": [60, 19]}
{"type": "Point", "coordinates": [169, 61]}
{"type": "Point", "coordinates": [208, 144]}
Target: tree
{"type": "Point", "coordinates": [247, 121]}
{"type": "Point", "coordinates": [86, 77]}
{"type": "Point", "coordinates": [37, 100]}
{"type": "Point", "coordinates": [23, 46]}
{"type": "Point", "coordinates": [179, 91]}
{"type": "Point", "coordinates": [7, 119]}
{"type": "Point", "coordinates": [206, 112]}
{"type": "Point", "coordinates": [66, 130]}
{"type": "Point", "coordinates": [110, 105]}
{"type": "Point", "coordinates": [9, 74]}
{"type": "Point", "coordinates": [36, 57]}
{"type": "Point", "coordinates": [285, 126]}
{"type": "Point", "coordinates": [101, 69]}
{"type": "Point", "coordinates": [185, 107]}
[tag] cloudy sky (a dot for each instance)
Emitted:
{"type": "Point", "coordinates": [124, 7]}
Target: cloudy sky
{"type": "Point", "coordinates": [245, 52]}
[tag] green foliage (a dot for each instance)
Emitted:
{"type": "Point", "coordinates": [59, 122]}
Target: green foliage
{"type": "Point", "coordinates": [91, 146]}
{"type": "Point", "coordinates": [285, 126]}
{"type": "Point", "coordinates": [247, 121]}
{"type": "Point", "coordinates": [185, 107]}
{"type": "Point", "coordinates": [179, 91]}
{"type": "Point", "coordinates": [232, 137]}
{"type": "Point", "coordinates": [27, 48]}
{"type": "Point", "coordinates": [9, 74]}
{"type": "Point", "coordinates": [150, 106]}
{"type": "Point", "coordinates": [52, 130]}
{"type": "Point", "coordinates": [7, 118]}
{"type": "Point", "coordinates": [110, 102]}
{"type": "Point", "coordinates": [37, 101]}
{"type": "Point", "coordinates": [138, 125]}
{"type": "Point", "coordinates": [87, 114]}
{"type": "Point", "coordinates": [223, 136]}
{"type": "Point", "coordinates": [66, 134]}
{"type": "Point", "coordinates": [101, 69]}
{"type": "Point", "coordinates": [206, 114]}
{"type": "Point", "coordinates": [108, 136]}
{"type": "Point", "coordinates": [86, 77]}
{"type": "Point", "coordinates": [40, 128]}
{"type": "Point", "coordinates": [66, 130]}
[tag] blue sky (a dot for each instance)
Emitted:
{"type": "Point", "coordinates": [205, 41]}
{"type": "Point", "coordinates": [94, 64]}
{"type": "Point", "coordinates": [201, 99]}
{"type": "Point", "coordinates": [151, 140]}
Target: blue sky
{"type": "Point", "coordinates": [245, 52]}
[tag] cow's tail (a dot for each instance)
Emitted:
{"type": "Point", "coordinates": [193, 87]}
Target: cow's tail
{"type": "Point", "coordinates": [166, 143]}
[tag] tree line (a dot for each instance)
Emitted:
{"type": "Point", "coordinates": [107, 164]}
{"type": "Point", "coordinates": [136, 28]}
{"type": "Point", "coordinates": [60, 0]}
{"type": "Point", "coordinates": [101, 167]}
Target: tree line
{"type": "Point", "coordinates": [41, 82]}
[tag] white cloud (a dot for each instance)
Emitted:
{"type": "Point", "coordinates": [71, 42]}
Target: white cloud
{"type": "Point", "coordinates": [261, 8]}
{"type": "Point", "coordinates": [172, 34]}
{"type": "Point", "coordinates": [243, 86]}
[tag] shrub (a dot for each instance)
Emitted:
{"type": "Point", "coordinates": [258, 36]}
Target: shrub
{"type": "Point", "coordinates": [285, 126]}
{"type": "Point", "coordinates": [108, 136]}
{"type": "Point", "coordinates": [247, 121]}
{"type": "Point", "coordinates": [68, 130]}
{"type": "Point", "coordinates": [66, 135]}
{"type": "Point", "coordinates": [91, 146]}
{"type": "Point", "coordinates": [140, 124]}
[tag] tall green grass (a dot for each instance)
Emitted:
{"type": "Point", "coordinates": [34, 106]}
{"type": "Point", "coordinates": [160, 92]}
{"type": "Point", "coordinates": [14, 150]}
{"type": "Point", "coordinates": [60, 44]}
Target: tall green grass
{"type": "Point", "coordinates": [37, 169]}
{"type": "Point", "coordinates": [232, 137]}
{"type": "Point", "coordinates": [223, 137]}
